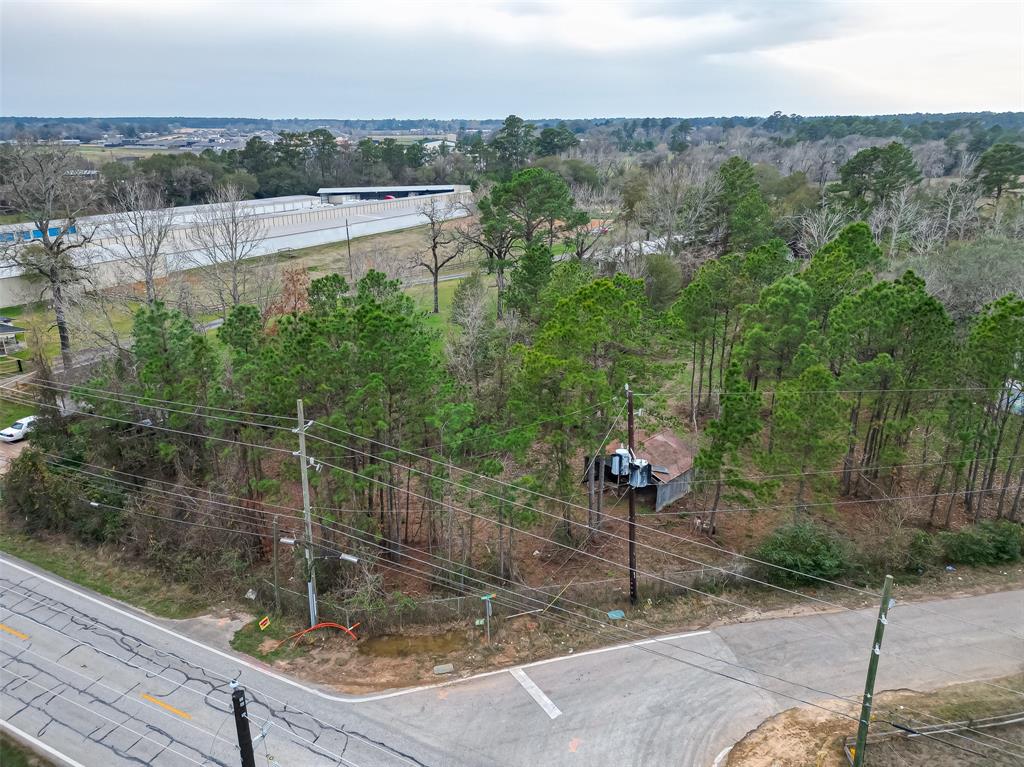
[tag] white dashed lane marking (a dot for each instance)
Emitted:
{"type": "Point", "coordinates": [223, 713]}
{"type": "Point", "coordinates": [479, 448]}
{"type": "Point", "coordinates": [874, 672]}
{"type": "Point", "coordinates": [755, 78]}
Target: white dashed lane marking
{"type": "Point", "coordinates": [535, 692]}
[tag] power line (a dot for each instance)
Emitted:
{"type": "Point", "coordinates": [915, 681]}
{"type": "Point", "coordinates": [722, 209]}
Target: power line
{"type": "Point", "coordinates": [680, 660]}
{"type": "Point", "coordinates": [854, 589]}
{"type": "Point", "coordinates": [574, 505]}
{"type": "Point", "coordinates": [577, 524]}
{"type": "Point", "coordinates": [202, 694]}
{"type": "Point", "coordinates": [117, 725]}
{"type": "Point", "coordinates": [419, 575]}
{"type": "Point", "coordinates": [359, 536]}
{"type": "Point", "coordinates": [248, 518]}
{"type": "Point", "coordinates": [617, 564]}
{"type": "Point", "coordinates": [119, 693]}
{"type": "Point", "coordinates": [785, 507]}
{"type": "Point", "coordinates": [602, 559]}
{"type": "Point", "coordinates": [408, 570]}
{"type": "Point", "coordinates": [80, 387]}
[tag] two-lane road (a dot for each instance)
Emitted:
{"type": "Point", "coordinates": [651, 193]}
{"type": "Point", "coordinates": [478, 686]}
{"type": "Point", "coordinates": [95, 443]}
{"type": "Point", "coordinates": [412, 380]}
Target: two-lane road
{"type": "Point", "coordinates": [105, 685]}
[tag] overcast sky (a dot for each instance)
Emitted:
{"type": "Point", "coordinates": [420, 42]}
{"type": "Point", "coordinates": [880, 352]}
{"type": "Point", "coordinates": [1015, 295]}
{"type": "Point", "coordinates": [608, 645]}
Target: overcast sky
{"type": "Point", "coordinates": [377, 58]}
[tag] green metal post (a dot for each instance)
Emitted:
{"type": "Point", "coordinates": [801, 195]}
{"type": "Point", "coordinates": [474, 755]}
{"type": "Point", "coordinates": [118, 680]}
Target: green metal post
{"type": "Point", "coordinates": [869, 685]}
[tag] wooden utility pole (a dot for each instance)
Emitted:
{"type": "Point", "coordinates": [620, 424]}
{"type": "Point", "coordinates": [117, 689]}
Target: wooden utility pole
{"type": "Point", "coordinates": [310, 566]}
{"type": "Point", "coordinates": [633, 597]}
{"type": "Point", "coordinates": [277, 583]}
{"type": "Point", "coordinates": [242, 727]}
{"type": "Point", "coordinates": [869, 685]}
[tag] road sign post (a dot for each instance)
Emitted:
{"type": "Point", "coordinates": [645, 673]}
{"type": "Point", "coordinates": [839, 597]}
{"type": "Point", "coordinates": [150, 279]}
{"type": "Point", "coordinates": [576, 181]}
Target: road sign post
{"type": "Point", "coordinates": [486, 598]}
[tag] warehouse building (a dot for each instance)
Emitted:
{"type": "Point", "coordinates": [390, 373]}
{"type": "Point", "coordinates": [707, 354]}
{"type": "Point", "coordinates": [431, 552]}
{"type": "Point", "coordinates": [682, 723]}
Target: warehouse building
{"type": "Point", "coordinates": [344, 195]}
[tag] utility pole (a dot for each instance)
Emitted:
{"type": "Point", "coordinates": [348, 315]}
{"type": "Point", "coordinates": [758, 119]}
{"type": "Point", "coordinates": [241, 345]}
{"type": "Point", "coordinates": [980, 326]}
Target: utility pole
{"type": "Point", "coordinates": [310, 567]}
{"type": "Point", "coordinates": [242, 727]}
{"type": "Point", "coordinates": [348, 242]}
{"type": "Point", "coordinates": [632, 502]}
{"type": "Point", "coordinates": [277, 584]}
{"type": "Point", "coordinates": [869, 685]}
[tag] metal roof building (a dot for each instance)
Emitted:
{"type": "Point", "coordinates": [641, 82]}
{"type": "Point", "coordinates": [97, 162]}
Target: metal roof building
{"type": "Point", "coordinates": [339, 195]}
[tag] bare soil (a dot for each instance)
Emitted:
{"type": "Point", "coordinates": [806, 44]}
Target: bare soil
{"type": "Point", "coordinates": [805, 736]}
{"type": "Point", "coordinates": [334, 659]}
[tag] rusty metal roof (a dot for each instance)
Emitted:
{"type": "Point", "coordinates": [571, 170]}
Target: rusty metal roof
{"type": "Point", "coordinates": [668, 454]}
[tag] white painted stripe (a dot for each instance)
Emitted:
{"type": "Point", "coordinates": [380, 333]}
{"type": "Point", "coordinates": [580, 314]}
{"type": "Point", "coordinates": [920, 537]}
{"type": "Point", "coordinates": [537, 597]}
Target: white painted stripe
{"type": "Point", "coordinates": [613, 648]}
{"type": "Point", "coordinates": [40, 747]}
{"type": "Point", "coordinates": [720, 759]}
{"type": "Point", "coordinates": [536, 693]}
{"type": "Point", "coordinates": [262, 669]}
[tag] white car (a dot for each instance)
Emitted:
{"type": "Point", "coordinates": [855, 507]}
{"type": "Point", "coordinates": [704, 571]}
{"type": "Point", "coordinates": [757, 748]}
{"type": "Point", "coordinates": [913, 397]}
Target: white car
{"type": "Point", "coordinates": [18, 430]}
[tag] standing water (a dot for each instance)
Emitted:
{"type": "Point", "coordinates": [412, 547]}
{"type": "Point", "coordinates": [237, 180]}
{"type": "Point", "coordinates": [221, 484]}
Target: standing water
{"type": "Point", "coordinates": [401, 646]}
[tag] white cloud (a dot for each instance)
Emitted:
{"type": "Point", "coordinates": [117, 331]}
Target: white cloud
{"type": "Point", "coordinates": [391, 58]}
{"type": "Point", "coordinates": [944, 56]}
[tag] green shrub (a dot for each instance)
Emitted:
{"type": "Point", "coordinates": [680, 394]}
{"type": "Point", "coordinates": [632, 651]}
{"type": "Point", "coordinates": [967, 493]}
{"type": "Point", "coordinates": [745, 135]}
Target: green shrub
{"type": "Point", "coordinates": [923, 552]}
{"type": "Point", "coordinates": [986, 543]}
{"type": "Point", "coordinates": [807, 548]}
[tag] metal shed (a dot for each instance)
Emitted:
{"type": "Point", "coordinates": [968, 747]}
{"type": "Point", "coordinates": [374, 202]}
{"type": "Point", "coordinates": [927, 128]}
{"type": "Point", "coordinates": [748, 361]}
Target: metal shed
{"type": "Point", "coordinates": [671, 463]}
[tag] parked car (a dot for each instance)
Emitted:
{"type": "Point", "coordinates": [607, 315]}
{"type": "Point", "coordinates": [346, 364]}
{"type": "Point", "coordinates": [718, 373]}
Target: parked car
{"type": "Point", "coordinates": [19, 429]}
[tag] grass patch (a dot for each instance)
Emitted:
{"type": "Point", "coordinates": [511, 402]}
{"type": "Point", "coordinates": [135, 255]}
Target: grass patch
{"type": "Point", "coordinates": [102, 570]}
{"type": "Point", "coordinates": [12, 754]}
{"type": "Point", "coordinates": [423, 295]}
{"type": "Point", "coordinates": [12, 411]}
{"type": "Point", "coordinates": [249, 639]}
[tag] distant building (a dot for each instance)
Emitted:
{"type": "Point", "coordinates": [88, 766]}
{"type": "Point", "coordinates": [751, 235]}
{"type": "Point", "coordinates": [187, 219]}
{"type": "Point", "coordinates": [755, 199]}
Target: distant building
{"type": "Point", "coordinates": [340, 195]}
{"type": "Point", "coordinates": [8, 340]}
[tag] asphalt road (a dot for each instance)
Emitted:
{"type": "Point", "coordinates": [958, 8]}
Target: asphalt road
{"type": "Point", "coordinates": [105, 685]}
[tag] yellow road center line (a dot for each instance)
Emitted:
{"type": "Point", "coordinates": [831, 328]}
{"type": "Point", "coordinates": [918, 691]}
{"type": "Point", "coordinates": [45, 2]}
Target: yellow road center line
{"type": "Point", "coordinates": [165, 706]}
{"type": "Point", "coordinates": [13, 632]}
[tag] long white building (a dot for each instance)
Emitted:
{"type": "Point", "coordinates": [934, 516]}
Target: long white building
{"type": "Point", "coordinates": [288, 223]}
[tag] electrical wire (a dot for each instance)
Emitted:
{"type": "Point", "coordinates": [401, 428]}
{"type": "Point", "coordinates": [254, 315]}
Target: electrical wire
{"type": "Point", "coordinates": [687, 649]}
{"type": "Point", "coordinates": [695, 561]}
{"type": "Point", "coordinates": [117, 725]}
{"type": "Point", "coordinates": [120, 694]}
{"type": "Point", "coordinates": [649, 574]}
{"type": "Point", "coordinates": [578, 506]}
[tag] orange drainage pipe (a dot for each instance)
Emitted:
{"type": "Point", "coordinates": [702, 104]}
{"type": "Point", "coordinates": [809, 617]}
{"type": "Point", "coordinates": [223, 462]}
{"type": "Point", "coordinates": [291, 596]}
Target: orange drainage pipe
{"type": "Point", "coordinates": [346, 629]}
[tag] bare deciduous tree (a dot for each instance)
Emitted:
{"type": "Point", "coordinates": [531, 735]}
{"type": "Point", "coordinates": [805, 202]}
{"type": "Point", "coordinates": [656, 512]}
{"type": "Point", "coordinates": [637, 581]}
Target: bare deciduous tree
{"type": "Point", "coordinates": [443, 245]}
{"type": "Point", "coordinates": [138, 233]}
{"type": "Point", "coordinates": [957, 207]}
{"type": "Point", "coordinates": [679, 201]}
{"type": "Point", "coordinates": [42, 183]}
{"type": "Point", "coordinates": [223, 235]}
{"type": "Point", "coordinates": [821, 225]}
{"type": "Point", "coordinates": [896, 219]}
{"type": "Point", "coordinates": [471, 337]}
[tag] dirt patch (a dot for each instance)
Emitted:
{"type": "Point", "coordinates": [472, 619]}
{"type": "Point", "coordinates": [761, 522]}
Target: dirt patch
{"type": "Point", "coordinates": [391, 661]}
{"type": "Point", "coordinates": [806, 736]}
{"type": "Point", "coordinates": [794, 738]}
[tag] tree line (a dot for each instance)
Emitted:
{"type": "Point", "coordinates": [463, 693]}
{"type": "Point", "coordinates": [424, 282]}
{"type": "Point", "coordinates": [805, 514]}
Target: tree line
{"type": "Point", "coordinates": [803, 380]}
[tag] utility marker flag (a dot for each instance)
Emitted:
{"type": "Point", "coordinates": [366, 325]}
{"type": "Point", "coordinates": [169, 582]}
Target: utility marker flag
{"type": "Point", "coordinates": [264, 622]}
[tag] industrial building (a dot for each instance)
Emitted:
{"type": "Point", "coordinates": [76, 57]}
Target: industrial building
{"type": "Point", "coordinates": [343, 195]}
{"type": "Point", "coordinates": [288, 223]}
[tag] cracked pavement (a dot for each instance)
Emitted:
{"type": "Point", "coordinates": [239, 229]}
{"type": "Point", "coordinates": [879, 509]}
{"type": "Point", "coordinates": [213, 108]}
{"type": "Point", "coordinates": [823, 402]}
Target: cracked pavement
{"type": "Point", "coordinates": [106, 685]}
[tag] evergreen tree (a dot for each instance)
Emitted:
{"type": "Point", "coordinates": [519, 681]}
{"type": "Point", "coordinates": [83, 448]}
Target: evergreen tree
{"type": "Point", "coordinates": [1000, 169]}
{"type": "Point", "coordinates": [718, 460]}
{"type": "Point", "coordinates": [807, 427]}
{"type": "Point", "coordinates": [871, 175]}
